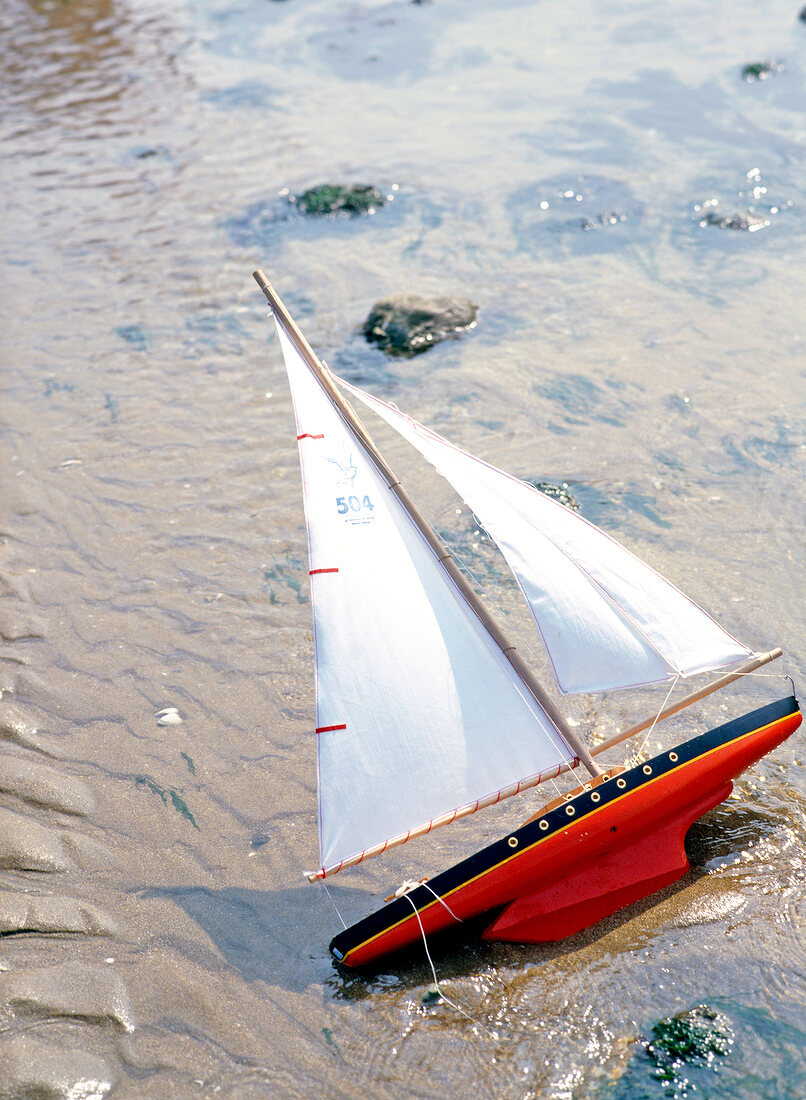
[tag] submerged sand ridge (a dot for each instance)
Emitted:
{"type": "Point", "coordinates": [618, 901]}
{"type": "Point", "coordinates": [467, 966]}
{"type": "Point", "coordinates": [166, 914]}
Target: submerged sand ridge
{"type": "Point", "coordinates": [66, 991]}
{"type": "Point", "coordinates": [97, 971]}
{"type": "Point", "coordinates": [119, 928]}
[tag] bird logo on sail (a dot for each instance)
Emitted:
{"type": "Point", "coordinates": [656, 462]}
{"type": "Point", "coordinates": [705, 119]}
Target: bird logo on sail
{"type": "Point", "coordinates": [346, 466]}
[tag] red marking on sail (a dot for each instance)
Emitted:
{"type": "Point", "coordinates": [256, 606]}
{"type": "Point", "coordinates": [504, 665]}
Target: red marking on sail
{"type": "Point", "coordinates": [328, 729]}
{"type": "Point", "coordinates": [313, 571]}
{"type": "Point", "coordinates": [307, 435]}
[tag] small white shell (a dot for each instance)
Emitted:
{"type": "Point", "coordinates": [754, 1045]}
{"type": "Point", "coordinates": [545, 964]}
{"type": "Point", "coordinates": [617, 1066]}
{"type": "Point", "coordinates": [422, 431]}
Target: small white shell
{"type": "Point", "coordinates": [168, 716]}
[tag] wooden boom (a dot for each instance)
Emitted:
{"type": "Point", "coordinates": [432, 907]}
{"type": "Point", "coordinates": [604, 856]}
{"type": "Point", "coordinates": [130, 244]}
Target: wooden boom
{"type": "Point", "coordinates": [748, 666]}
{"type": "Point", "coordinates": [526, 784]}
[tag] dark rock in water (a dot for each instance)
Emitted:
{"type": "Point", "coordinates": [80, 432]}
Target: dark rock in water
{"type": "Point", "coordinates": [610, 218]}
{"type": "Point", "coordinates": [747, 223]}
{"type": "Point", "coordinates": [339, 198]}
{"type": "Point", "coordinates": [143, 152]}
{"type": "Point", "coordinates": [680, 1059]}
{"type": "Point", "coordinates": [557, 492]}
{"type": "Point", "coordinates": [406, 324]}
{"type": "Point", "coordinates": [802, 16]}
{"type": "Point", "coordinates": [590, 214]}
{"type": "Point", "coordinates": [760, 70]}
{"type": "Point", "coordinates": [262, 224]}
{"type": "Point", "coordinates": [695, 1036]}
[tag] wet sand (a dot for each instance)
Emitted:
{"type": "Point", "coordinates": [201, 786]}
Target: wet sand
{"type": "Point", "coordinates": [157, 780]}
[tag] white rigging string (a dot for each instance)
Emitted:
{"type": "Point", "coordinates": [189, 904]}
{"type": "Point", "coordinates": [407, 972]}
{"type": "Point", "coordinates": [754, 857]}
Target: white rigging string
{"type": "Point", "coordinates": [638, 755]}
{"type": "Point", "coordinates": [333, 903]}
{"type": "Point", "coordinates": [437, 987]}
{"type": "Point", "coordinates": [441, 901]}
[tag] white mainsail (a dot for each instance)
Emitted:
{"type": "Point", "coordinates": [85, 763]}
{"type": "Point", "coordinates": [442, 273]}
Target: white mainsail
{"type": "Point", "coordinates": [606, 618]}
{"type": "Point", "coordinates": [418, 711]}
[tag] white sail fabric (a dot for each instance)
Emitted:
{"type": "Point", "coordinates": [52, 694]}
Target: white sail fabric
{"type": "Point", "coordinates": [607, 620]}
{"type": "Point", "coordinates": [418, 711]}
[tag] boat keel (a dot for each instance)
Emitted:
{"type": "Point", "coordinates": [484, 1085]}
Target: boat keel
{"type": "Point", "coordinates": [620, 877]}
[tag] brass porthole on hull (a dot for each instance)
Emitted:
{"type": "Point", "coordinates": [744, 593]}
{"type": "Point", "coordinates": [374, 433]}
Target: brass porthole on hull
{"type": "Point", "coordinates": [621, 783]}
{"type": "Point", "coordinates": [673, 757]}
{"type": "Point", "coordinates": [647, 769]}
{"type": "Point", "coordinates": [513, 842]}
{"type": "Point", "coordinates": [595, 797]}
{"type": "Point", "coordinates": [544, 824]}
{"type": "Point", "coordinates": [570, 811]}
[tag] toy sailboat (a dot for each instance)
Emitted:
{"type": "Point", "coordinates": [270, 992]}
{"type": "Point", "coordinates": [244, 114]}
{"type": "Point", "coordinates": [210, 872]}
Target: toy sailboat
{"type": "Point", "coordinates": [425, 712]}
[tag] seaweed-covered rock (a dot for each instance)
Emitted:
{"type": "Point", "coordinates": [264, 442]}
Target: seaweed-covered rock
{"type": "Point", "coordinates": [339, 198]}
{"type": "Point", "coordinates": [695, 1036]}
{"type": "Point", "coordinates": [680, 1059]}
{"type": "Point", "coordinates": [760, 70]}
{"type": "Point", "coordinates": [406, 324]}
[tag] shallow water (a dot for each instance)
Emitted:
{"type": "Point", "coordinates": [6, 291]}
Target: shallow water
{"type": "Point", "coordinates": [556, 163]}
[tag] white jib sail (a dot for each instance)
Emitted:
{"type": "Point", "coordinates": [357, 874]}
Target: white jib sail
{"type": "Point", "coordinates": [607, 620]}
{"type": "Point", "coordinates": [418, 711]}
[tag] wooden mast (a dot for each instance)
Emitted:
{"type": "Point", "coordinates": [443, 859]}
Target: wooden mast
{"type": "Point", "coordinates": [439, 549]}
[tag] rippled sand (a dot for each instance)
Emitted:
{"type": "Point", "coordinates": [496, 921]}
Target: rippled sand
{"type": "Point", "coordinates": [583, 173]}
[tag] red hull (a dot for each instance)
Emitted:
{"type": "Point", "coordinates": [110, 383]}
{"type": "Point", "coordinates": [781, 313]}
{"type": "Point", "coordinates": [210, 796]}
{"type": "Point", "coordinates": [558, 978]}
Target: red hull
{"type": "Point", "coordinates": [608, 852]}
